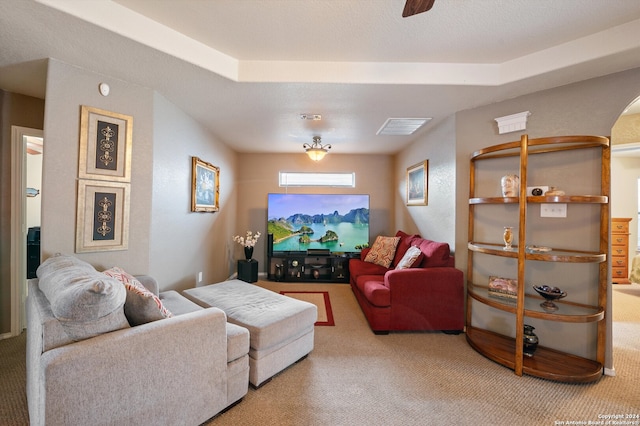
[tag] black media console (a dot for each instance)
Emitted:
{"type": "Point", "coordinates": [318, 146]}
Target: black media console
{"type": "Point", "coordinates": [309, 266]}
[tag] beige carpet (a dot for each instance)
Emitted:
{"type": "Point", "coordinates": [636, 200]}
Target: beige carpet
{"type": "Point", "coordinates": [354, 377]}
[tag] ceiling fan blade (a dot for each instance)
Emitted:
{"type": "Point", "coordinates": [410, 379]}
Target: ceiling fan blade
{"type": "Point", "coordinates": [413, 7]}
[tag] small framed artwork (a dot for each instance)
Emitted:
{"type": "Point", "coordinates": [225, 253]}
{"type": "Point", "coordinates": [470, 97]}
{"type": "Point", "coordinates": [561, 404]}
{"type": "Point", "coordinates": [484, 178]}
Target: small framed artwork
{"type": "Point", "coordinates": [102, 219]}
{"type": "Point", "coordinates": [105, 145]}
{"type": "Point", "coordinates": [205, 186]}
{"type": "Point", "coordinates": [417, 184]}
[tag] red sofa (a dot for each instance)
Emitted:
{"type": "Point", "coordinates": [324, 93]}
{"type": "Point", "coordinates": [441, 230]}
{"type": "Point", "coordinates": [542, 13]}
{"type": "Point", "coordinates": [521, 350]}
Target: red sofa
{"type": "Point", "coordinates": [427, 296]}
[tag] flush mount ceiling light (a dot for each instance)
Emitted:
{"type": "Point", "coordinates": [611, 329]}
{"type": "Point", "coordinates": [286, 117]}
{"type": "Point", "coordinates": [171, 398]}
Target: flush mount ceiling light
{"type": "Point", "coordinates": [316, 151]}
{"type": "Point", "coordinates": [401, 126]}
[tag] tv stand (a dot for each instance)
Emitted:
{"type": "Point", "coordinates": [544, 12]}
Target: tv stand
{"type": "Point", "coordinates": [300, 266]}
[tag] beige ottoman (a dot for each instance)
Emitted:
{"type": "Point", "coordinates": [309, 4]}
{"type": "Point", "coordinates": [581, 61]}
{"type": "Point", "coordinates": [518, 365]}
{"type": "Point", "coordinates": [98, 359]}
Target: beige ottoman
{"type": "Point", "coordinates": [280, 328]}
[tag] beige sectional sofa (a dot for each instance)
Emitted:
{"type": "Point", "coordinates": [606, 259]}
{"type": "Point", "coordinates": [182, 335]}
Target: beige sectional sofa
{"type": "Point", "coordinates": [183, 369]}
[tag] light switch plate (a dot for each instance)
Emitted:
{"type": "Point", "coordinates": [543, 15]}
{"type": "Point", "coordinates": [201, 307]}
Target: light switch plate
{"type": "Point", "coordinates": [553, 210]}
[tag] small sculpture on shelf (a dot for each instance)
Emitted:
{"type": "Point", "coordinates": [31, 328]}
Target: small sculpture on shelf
{"type": "Point", "coordinates": [510, 185]}
{"type": "Point", "coordinates": [279, 271]}
{"type": "Point", "coordinates": [553, 191]}
{"type": "Point", "coordinates": [507, 237]}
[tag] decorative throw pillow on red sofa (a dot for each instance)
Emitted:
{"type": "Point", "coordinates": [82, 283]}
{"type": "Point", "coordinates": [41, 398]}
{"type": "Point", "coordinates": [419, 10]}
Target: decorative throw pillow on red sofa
{"type": "Point", "coordinates": [383, 251]}
{"type": "Point", "coordinates": [410, 258]}
{"type": "Point", "coordinates": [406, 241]}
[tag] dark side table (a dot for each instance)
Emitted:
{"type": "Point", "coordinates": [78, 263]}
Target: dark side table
{"type": "Point", "coordinates": [248, 270]}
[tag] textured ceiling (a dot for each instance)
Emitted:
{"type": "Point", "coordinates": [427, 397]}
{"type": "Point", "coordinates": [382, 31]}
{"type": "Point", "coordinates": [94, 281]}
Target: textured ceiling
{"type": "Point", "coordinates": [245, 69]}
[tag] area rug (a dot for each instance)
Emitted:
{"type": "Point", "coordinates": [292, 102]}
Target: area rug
{"type": "Point", "coordinates": [318, 298]}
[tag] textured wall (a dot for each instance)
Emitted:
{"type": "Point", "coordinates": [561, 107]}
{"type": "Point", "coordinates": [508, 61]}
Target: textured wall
{"type": "Point", "coordinates": [185, 243]}
{"type": "Point", "coordinates": [69, 87]}
{"type": "Point", "coordinates": [257, 176]}
{"type": "Point", "coordinates": [15, 110]}
{"type": "Point", "coordinates": [436, 220]}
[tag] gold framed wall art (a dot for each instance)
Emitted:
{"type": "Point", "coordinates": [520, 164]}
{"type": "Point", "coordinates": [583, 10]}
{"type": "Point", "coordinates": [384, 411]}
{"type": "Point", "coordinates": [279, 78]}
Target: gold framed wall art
{"type": "Point", "coordinates": [205, 186]}
{"type": "Point", "coordinates": [105, 145]}
{"type": "Point", "coordinates": [102, 219]}
{"type": "Point", "coordinates": [417, 184]}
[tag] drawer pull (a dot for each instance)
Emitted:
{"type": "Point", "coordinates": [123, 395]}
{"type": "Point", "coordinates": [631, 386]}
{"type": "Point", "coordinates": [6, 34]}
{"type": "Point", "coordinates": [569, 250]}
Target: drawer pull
{"type": "Point", "coordinates": [620, 262]}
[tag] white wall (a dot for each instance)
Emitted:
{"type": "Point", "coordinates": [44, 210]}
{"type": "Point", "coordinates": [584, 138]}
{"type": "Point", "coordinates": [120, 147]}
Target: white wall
{"type": "Point", "coordinates": [184, 243]}
{"type": "Point", "coordinates": [68, 88]}
{"type": "Point", "coordinates": [436, 220]}
{"type": "Point", "coordinates": [257, 176]}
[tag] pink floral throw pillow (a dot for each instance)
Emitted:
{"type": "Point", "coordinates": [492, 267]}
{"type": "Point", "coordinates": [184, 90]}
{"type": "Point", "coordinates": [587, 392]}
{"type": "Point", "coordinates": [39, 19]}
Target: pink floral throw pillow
{"type": "Point", "coordinates": [141, 305]}
{"type": "Point", "coordinates": [383, 251]}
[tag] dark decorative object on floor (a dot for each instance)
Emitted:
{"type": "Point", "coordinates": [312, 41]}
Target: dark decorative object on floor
{"type": "Point", "coordinates": [530, 340]}
{"type": "Point", "coordinates": [248, 253]}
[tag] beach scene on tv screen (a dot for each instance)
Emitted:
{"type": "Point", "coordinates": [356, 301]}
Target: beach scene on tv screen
{"type": "Point", "coordinates": [299, 222]}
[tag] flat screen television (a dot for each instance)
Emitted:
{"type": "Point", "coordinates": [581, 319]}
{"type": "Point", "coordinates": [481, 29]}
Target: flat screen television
{"type": "Point", "coordinates": [337, 223]}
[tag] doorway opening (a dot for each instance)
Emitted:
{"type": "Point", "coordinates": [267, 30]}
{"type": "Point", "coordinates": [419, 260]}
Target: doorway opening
{"type": "Point", "coordinates": [26, 180]}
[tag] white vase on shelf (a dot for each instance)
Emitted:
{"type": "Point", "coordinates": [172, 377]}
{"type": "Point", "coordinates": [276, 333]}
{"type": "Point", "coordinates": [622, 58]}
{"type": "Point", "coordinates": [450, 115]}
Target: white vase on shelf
{"type": "Point", "coordinates": [510, 185]}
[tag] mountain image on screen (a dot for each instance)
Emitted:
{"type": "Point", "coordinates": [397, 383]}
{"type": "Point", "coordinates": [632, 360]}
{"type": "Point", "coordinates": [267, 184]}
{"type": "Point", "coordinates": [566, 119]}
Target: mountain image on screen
{"type": "Point", "coordinates": [334, 222]}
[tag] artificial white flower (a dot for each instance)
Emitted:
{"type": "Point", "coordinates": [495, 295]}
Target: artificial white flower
{"type": "Point", "coordinates": [249, 241]}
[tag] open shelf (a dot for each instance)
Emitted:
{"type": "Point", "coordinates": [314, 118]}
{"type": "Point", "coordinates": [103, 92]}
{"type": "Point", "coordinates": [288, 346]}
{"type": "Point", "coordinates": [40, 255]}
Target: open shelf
{"type": "Point", "coordinates": [555, 255]}
{"type": "Point", "coordinates": [567, 311]}
{"type": "Point", "coordinates": [545, 363]}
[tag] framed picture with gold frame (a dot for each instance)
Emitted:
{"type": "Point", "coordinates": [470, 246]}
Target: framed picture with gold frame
{"type": "Point", "coordinates": [105, 145]}
{"type": "Point", "coordinates": [205, 186]}
{"type": "Point", "coordinates": [417, 184]}
{"type": "Point", "coordinates": [102, 219]}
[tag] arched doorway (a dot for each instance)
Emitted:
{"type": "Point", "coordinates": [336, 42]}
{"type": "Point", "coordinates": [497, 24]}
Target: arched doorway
{"type": "Point", "coordinates": [625, 198]}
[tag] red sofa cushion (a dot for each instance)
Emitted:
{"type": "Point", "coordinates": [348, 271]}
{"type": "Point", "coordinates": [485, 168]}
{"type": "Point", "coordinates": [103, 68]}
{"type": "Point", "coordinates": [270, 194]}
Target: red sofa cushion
{"type": "Point", "coordinates": [405, 242]}
{"type": "Point", "coordinates": [435, 253]}
{"type": "Point", "coordinates": [373, 288]}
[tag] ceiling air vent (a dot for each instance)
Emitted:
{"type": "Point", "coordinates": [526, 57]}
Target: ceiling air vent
{"type": "Point", "coordinates": [401, 126]}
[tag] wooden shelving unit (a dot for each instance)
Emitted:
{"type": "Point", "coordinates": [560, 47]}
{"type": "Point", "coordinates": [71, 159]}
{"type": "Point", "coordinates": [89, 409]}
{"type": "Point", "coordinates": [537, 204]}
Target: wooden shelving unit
{"type": "Point", "coordinates": [547, 362]}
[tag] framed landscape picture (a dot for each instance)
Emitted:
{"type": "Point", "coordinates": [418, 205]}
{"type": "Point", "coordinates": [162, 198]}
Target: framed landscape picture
{"type": "Point", "coordinates": [102, 219]}
{"type": "Point", "coordinates": [105, 145]}
{"type": "Point", "coordinates": [205, 186]}
{"type": "Point", "coordinates": [417, 184]}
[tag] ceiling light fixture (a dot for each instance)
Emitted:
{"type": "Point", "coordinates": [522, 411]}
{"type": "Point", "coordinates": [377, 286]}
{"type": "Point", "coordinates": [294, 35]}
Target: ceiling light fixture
{"type": "Point", "coordinates": [316, 151]}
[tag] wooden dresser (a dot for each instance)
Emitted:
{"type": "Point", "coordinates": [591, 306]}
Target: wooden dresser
{"type": "Point", "coordinates": [620, 250]}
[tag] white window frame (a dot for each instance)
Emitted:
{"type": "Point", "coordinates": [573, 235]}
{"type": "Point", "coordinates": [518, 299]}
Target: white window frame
{"type": "Point", "coordinates": [333, 179]}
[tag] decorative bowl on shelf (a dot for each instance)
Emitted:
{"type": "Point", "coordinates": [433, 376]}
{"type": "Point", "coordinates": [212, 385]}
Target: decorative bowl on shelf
{"type": "Point", "coordinates": [550, 294]}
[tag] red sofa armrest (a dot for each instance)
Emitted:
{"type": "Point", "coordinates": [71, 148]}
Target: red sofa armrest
{"type": "Point", "coordinates": [436, 292]}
